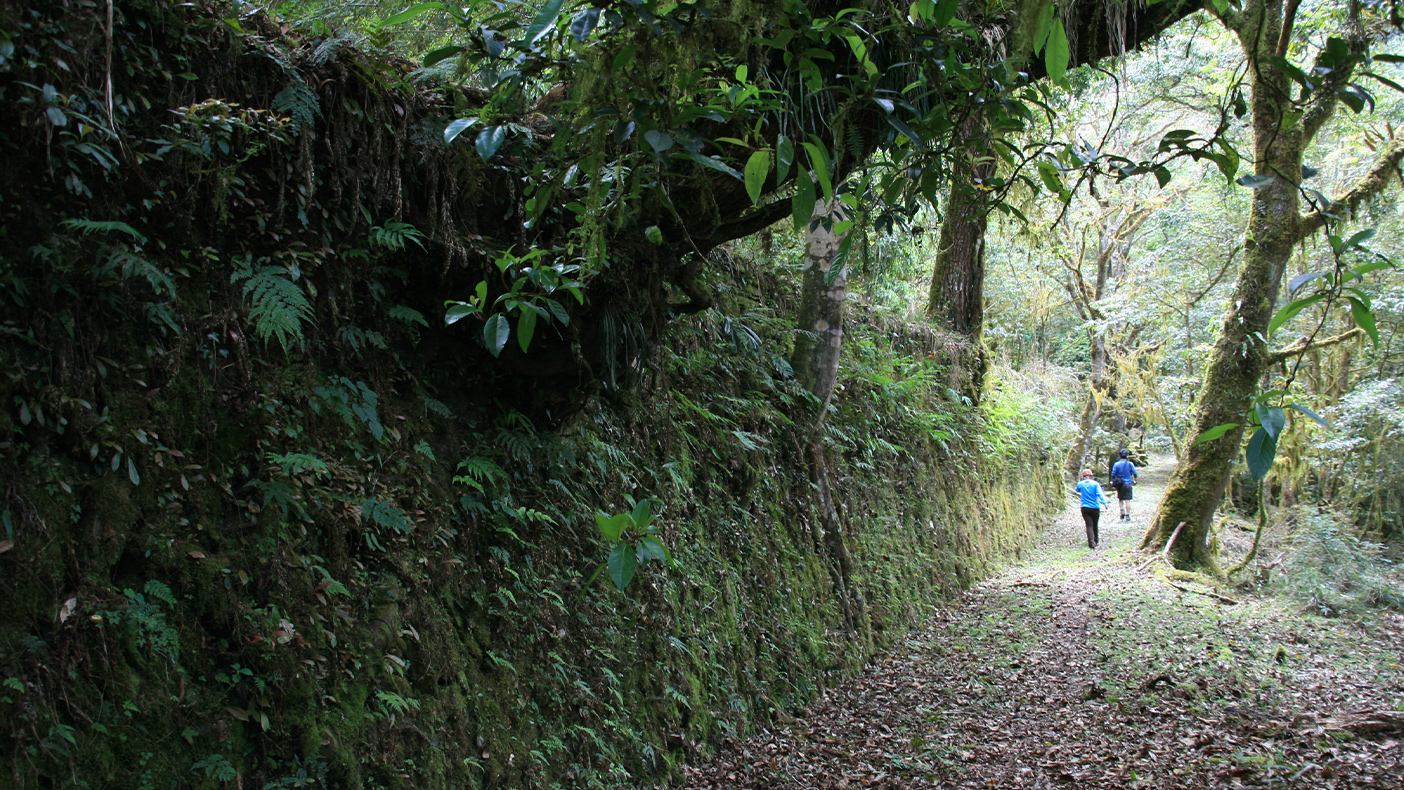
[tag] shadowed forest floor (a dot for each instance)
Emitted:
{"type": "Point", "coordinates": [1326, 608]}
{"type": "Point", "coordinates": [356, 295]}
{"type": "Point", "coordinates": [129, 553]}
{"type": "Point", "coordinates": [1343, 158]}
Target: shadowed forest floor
{"type": "Point", "coordinates": [1078, 669]}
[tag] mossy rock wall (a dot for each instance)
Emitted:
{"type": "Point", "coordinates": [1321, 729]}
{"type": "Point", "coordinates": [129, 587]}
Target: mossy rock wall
{"type": "Point", "coordinates": [355, 555]}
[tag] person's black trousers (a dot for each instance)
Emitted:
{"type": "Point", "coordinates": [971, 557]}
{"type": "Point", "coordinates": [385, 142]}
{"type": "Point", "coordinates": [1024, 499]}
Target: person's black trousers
{"type": "Point", "coordinates": [1090, 516]}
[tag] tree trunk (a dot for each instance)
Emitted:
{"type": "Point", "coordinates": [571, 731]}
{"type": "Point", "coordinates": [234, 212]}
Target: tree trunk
{"type": "Point", "coordinates": [957, 299]}
{"type": "Point", "coordinates": [823, 292]}
{"type": "Point", "coordinates": [1092, 412]}
{"type": "Point", "coordinates": [818, 344]}
{"type": "Point", "coordinates": [1240, 357]}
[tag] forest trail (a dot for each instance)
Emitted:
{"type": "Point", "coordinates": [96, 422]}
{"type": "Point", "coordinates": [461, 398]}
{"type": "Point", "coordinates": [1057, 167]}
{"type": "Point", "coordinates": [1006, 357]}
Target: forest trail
{"type": "Point", "coordinates": [1078, 669]}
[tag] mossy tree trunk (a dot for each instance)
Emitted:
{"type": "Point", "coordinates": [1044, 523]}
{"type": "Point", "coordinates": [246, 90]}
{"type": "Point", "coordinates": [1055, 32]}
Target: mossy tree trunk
{"type": "Point", "coordinates": [1282, 129]}
{"type": "Point", "coordinates": [957, 299]}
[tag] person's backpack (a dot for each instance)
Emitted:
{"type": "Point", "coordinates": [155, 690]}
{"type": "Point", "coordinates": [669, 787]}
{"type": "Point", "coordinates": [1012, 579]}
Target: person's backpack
{"type": "Point", "coordinates": [1116, 479]}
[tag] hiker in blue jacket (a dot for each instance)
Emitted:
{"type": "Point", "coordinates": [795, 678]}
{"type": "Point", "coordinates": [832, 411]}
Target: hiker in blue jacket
{"type": "Point", "coordinates": [1123, 479]}
{"type": "Point", "coordinates": [1092, 499]}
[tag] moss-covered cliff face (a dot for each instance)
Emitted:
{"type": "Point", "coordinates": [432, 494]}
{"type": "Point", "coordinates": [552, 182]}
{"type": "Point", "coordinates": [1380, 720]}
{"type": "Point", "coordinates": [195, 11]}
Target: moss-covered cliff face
{"type": "Point", "coordinates": [268, 523]}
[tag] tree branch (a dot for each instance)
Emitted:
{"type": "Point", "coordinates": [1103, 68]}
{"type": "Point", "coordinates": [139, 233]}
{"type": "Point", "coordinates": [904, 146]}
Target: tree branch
{"type": "Point", "coordinates": [1371, 184]}
{"type": "Point", "coordinates": [1303, 345]}
{"type": "Point", "coordinates": [1289, 17]}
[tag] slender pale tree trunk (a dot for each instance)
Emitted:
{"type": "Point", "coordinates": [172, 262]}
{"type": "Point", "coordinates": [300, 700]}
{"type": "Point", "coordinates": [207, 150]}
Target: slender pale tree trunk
{"type": "Point", "coordinates": [818, 344]}
{"type": "Point", "coordinates": [1092, 412]}
{"type": "Point", "coordinates": [822, 297]}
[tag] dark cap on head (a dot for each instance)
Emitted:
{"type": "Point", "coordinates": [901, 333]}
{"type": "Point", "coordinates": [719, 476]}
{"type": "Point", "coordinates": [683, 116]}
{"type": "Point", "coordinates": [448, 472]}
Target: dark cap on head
{"type": "Point", "coordinates": [1123, 453]}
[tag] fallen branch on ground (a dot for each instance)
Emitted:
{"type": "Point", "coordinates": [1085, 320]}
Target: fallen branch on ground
{"type": "Point", "coordinates": [1368, 722]}
{"type": "Point", "coordinates": [1209, 593]}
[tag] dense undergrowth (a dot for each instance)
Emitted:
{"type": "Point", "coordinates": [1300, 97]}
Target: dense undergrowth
{"type": "Point", "coordinates": [267, 522]}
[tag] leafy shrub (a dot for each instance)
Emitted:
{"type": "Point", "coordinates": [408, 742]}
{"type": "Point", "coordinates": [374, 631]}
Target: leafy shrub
{"type": "Point", "coordinates": [1332, 570]}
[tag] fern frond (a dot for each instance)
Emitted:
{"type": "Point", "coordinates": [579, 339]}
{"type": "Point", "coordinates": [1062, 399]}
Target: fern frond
{"type": "Point", "coordinates": [394, 235]}
{"type": "Point", "coordinates": [434, 404]}
{"type": "Point", "coordinates": [476, 471]}
{"type": "Point", "coordinates": [131, 266]}
{"type": "Point", "coordinates": [407, 314]}
{"type": "Point", "coordinates": [160, 591]}
{"type": "Point", "coordinates": [517, 445]}
{"type": "Point", "coordinates": [326, 51]}
{"type": "Point", "coordinates": [277, 306]}
{"type": "Point", "coordinates": [384, 514]}
{"type": "Point", "coordinates": [299, 103]}
{"type": "Point", "coordinates": [298, 463]}
{"type": "Point", "coordinates": [90, 226]}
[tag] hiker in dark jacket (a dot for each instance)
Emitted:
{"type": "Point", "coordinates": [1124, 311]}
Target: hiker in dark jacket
{"type": "Point", "coordinates": [1123, 479]}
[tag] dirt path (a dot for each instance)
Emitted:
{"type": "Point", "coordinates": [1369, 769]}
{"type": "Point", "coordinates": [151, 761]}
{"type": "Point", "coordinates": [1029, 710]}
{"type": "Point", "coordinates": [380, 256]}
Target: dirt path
{"type": "Point", "coordinates": [1076, 669]}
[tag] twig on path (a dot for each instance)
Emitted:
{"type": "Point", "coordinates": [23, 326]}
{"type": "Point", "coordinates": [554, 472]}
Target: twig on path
{"type": "Point", "coordinates": [1164, 555]}
{"type": "Point", "coordinates": [1209, 593]}
{"type": "Point", "coordinates": [1029, 584]}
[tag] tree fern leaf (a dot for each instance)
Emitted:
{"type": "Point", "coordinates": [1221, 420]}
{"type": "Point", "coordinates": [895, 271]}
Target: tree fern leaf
{"type": "Point", "coordinates": [384, 514]}
{"type": "Point", "coordinates": [277, 305]}
{"type": "Point", "coordinates": [299, 103]}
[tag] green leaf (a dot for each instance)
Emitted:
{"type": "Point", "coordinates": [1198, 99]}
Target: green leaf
{"type": "Point", "coordinates": [715, 164]}
{"type": "Point", "coordinates": [658, 140]}
{"type": "Point", "coordinates": [1272, 418]}
{"type": "Point", "coordinates": [526, 328]}
{"type": "Point", "coordinates": [1228, 163]}
{"type": "Point", "coordinates": [1308, 412]}
{"type": "Point", "coordinates": [456, 128]}
{"type": "Point", "coordinates": [757, 168]}
{"type": "Point", "coordinates": [803, 201]}
{"type": "Point", "coordinates": [1364, 318]}
{"type": "Point", "coordinates": [1055, 57]}
{"type": "Point", "coordinates": [1050, 176]}
{"type": "Point", "coordinates": [653, 548]}
{"type": "Point", "coordinates": [1215, 432]}
{"type": "Point", "coordinates": [623, 562]}
{"type": "Point", "coordinates": [1262, 449]}
{"type": "Point", "coordinates": [819, 158]}
{"type": "Point", "coordinates": [132, 472]}
{"type": "Point", "coordinates": [441, 54]}
{"type": "Point", "coordinates": [558, 312]}
{"type": "Point", "coordinates": [1360, 238]}
{"type": "Point", "coordinates": [412, 12]}
{"type": "Point", "coordinates": [1162, 175]}
{"type": "Point", "coordinates": [945, 11]}
{"type": "Point", "coordinates": [1297, 282]}
{"type": "Point", "coordinates": [653, 234]}
{"type": "Point", "coordinates": [642, 513]}
{"type": "Point", "coordinates": [904, 130]}
{"type": "Point", "coordinates": [1365, 268]}
{"type": "Point", "coordinates": [594, 576]}
{"type": "Point", "coordinates": [495, 333]}
{"type": "Point", "coordinates": [1254, 181]}
{"type": "Point", "coordinates": [1290, 310]}
{"type": "Point", "coordinates": [458, 312]}
{"type": "Point", "coordinates": [544, 21]}
{"type": "Point", "coordinates": [784, 157]}
{"type": "Point", "coordinates": [624, 58]}
{"type": "Point", "coordinates": [1044, 26]}
{"type": "Point", "coordinates": [583, 23]}
{"type": "Point", "coordinates": [612, 527]}
{"type": "Point", "coordinates": [489, 140]}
